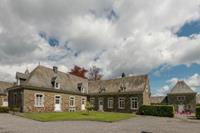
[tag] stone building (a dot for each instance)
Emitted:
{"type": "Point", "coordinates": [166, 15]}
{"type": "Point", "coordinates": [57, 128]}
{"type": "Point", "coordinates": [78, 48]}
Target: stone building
{"type": "Point", "coordinates": [47, 90]}
{"type": "Point", "coordinates": [181, 96]}
{"type": "Point", "coordinates": [3, 93]}
{"type": "Point", "coordinates": [124, 94]}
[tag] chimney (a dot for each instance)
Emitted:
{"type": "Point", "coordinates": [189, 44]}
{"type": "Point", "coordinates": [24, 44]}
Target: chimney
{"type": "Point", "coordinates": [55, 69]}
{"type": "Point", "coordinates": [123, 75]}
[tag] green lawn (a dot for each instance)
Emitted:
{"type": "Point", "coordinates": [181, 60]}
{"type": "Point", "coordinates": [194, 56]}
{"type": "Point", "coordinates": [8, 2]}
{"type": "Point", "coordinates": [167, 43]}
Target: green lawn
{"type": "Point", "coordinates": [63, 116]}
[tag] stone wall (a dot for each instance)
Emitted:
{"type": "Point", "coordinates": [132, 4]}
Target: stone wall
{"type": "Point", "coordinates": [146, 97]}
{"type": "Point", "coordinates": [190, 100]}
{"type": "Point", "coordinates": [29, 101]}
{"type": "Point", "coordinates": [115, 106]}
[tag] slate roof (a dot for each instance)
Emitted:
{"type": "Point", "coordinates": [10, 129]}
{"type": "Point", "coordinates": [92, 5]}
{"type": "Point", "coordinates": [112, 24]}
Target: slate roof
{"type": "Point", "coordinates": [132, 84]}
{"type": "Point", "coordinates": [42, 76]}
{"type": "Point", "coordinates": [181, 88]}
{"type": "Point", "coordinates": [4, 86]}
{"type": "Point", "coordinates": [157, 99]}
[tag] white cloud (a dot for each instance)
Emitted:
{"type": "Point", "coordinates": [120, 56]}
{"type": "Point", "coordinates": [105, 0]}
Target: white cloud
{"type": "Point", "coordinates": [193, 81]}
{"type": "Point", "coordinates": [139, 39]}
{"type": "Point", "coordinates": [162, 91]}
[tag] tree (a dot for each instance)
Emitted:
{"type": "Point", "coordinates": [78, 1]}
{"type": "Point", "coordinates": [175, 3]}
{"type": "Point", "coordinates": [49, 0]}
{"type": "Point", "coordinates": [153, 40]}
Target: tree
{"type": "Point", "coordinates": [94, 73]}
{"type": "Point", "coordinates": [88, 107]}
{"type": "Point", "coordinates": [78, 71]}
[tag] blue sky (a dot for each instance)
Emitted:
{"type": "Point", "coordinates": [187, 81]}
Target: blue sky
{"type": "Point", "coordinates": [189, 28]}
{"type": "Point", "coordinates": [180, 71]}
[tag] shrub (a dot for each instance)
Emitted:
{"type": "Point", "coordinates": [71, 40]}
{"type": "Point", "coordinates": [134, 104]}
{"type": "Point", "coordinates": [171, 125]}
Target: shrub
{"type": "Point", "coordinates": [157, 110]}
{"type": "Point", "coordinates": [198, 112]}
{"type": "Point", "coordinates": [88, 106]}
{"type": "Point", "coordinates": [4, 109]}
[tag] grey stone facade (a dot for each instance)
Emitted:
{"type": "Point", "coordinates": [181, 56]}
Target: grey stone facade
{"type": "Point", "coordinates": [132, 91]}
{"type": "Point", "coordinates": [181, 96]}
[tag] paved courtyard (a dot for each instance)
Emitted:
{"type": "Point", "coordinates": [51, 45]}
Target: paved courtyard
{"type": "Point", "coordinates": [15, 124]}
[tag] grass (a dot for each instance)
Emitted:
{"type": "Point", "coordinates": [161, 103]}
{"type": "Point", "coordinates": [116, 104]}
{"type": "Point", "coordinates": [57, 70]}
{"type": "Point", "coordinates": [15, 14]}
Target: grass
{"type": "Point", "coordinates": [65, 116]}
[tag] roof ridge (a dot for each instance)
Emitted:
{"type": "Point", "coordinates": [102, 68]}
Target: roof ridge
{"type": "Point", "coordinates": [118, 78]}
{"type": "Point", "coordinates": [61, 71]}
{"type": "Point", "coordinates": [6, 82]}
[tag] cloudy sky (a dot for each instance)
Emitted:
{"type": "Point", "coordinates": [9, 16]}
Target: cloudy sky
{"type": "Point", "coordinates": [159, 38]}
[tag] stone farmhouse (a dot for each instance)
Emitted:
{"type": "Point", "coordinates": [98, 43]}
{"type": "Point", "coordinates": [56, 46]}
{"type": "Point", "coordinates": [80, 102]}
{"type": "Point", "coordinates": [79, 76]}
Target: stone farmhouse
{"type": "Point", "coordinates": [181, 96]}
{"type": "Point", "coordinates": [47, 90]}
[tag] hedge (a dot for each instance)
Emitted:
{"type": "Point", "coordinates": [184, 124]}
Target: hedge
{"type": "Point", "coordinates": [4, 109]}
{"type": "Point", "coordinates": [157, 110]}
{"type": "Point", "coordinates": [198, 112]}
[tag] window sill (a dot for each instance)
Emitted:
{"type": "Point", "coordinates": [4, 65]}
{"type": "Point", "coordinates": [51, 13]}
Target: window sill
{"type": "Point", "coordinates": [42, 106]}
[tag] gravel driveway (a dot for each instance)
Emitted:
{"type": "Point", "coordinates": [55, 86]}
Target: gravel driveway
{"type": "Point", "coordinates": [15, 124]}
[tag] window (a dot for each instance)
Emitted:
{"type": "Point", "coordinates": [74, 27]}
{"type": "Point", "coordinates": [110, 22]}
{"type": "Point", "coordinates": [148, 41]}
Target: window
{"type": "Point", "coordinates": [57, 99]}
{"type": "Point", "coordinates": [79, 86]}
{"type": "Point", "coordinates": [180, 98]}
{"type": "Point", "coordinates": [92, 101]}
{"type": "Point", "coordinates": [134, 103]}
{"type": "Point", "coordinates": [39, 100]}
{"type": "Point", "coordinates": [57, 85]}
{"type": "Point", "coordinates": [121, 103]}
{"type": "Point", "coordinates": [122, 88]}
{"type": "Point", "coordinates": [110, 103]}
{"type": "Point", "coordinates": [72, 101]}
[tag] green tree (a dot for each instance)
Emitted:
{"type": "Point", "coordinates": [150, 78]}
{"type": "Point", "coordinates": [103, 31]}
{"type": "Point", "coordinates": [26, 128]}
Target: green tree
{"type": "Point", "coordinates": [88, 107]}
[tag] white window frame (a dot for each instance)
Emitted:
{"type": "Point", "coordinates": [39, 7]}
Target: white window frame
{"type": "Point", "coordinates": [60, 99]}
{"type": "Point", "coordinates": [134, 99]}
{"type": "Point", "coordinates": [110, 102]}
{"type": "Point", "coordinates": [92, 99]}
{"type": "Point", "coordinates": [42, 102]}
{"type": "Point", "coordinates": [83, 90]}
{"type": "Point", "coordinates": [83, 99]}
{"type": "Point", "coordinates": [73, 101]}
{"type": "Point", "coordinates": [55, 86]}
{"type": "Point", "coordinates": [179, 98]}
{"type": "Point", "coordinates": [120, 99]}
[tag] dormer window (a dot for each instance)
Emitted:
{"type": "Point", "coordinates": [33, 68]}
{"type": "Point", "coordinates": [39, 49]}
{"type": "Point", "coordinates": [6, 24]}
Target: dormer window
{"type": "Point", "coordinates": [56, 85]}
{"type": "Point", "coordinates": [55, 82]}
{"type": "Point", "coordinates": [102, 89]}
{"type": "Point", "coordinates": [81, 88]}
{"type": "Point", "coordinates": [122, 88]}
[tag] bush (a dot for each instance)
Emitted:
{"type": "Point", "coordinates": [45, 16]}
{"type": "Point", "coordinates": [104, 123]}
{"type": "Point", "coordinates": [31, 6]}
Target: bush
{"type": "Point", "coordinates": [157, 110]}
{"type": "Point", "coordinates": [4, 109]}
{"type": "Point", "coordinates": [198, 112]}
{"type": "Point", "coordinates": [88, 107]}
